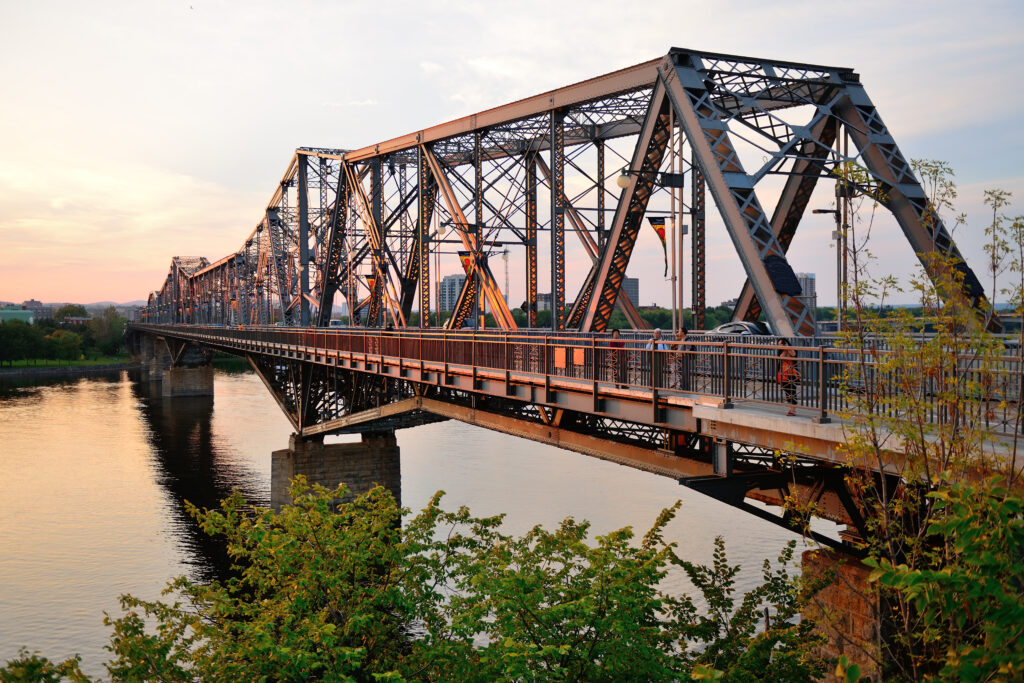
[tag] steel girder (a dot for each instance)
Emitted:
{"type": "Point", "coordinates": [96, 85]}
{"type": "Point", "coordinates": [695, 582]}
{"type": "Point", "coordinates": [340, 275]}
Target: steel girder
{"type": "Point", "coordinates": [469, 234]}
{"type": "Point", "coordinates": [324, 232]}
{"type": "Point", "coordinates": [793, 202]}
{"type": "Point", "coordinates": [600, 296]}
{"type": "Point", "coordinates": [698, 268]}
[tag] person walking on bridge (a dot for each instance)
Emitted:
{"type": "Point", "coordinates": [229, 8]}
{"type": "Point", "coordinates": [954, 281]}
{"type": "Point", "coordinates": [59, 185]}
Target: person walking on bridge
{"type": "Point", "coordinates": [788, 374]}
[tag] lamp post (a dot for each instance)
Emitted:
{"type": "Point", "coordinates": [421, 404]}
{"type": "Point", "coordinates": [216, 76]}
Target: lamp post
{"type": "Point", "coordinates": [504, 258]}
{"type": "Point", "coordinates": [439, 233]}
{"type": "Point", "coordinates": [840, 237]}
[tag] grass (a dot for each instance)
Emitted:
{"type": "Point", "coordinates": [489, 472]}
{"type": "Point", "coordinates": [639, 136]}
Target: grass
{"type": "Point", "coordinates": [50, 363]}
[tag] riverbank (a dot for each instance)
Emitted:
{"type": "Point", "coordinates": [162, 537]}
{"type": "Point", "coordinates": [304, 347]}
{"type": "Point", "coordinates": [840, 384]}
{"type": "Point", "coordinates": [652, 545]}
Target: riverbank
{"type": "Point", "coordinates": [66, 370]}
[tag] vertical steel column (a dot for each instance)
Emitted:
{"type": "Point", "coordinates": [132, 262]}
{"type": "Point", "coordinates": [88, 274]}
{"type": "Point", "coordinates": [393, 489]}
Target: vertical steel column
{"type": "Point", "coordinates": [478, 214]}
{"type": "Point", "coordinates": [303, 240]}
{"type": "Point", "coordinates": [557, 221]}
{"type": "Point", "coordinates": [423, 245]}
{"type": "Point", "coordinates": [600, 197]}
{"type": "Point", "coordinates": [377, 209]}
{"type": "Point", "coordinates": [531, 240]}
{"type": "Point", "coordinates": [697, 268]}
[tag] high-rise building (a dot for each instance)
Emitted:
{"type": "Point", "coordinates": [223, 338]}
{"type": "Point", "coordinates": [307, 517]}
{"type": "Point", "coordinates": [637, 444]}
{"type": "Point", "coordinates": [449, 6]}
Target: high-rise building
{"type": "Point", "coordinates": [807, 284]}
{"type": "Point", "coordinates": [451, 285]}
{"type": "Point", "coordinates": [809, 292]}
{"type": "Point", "coordinates": [631, 287]}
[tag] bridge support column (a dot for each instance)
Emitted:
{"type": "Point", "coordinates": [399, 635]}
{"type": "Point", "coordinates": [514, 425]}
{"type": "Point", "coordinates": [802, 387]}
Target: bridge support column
{"type": "Point", "coordinates": [186, 381]}
{"type": "Point", "coordinates": [361, 466]}
{"type": "Point", "coordinates": [186, 372]}
{"type": "Point", "coordinates": [146, 353]}
{"type": "Point", "coordinates": [160, 360]}
{"type": "Point", "coordinates": [846, 611]}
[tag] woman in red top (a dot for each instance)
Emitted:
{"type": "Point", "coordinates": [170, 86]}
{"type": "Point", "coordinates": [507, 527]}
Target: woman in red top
{"type": "Point", "coordinates": [788, 375]}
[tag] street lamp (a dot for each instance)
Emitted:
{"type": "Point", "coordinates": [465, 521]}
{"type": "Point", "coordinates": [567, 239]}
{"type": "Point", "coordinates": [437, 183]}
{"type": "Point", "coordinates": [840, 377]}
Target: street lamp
{"type": "Point", "coordinates": [662, 179]}
{"type": "Point", "coordinates": [439, 233]}
{"type": "Point", "coordinates": [839, 236]}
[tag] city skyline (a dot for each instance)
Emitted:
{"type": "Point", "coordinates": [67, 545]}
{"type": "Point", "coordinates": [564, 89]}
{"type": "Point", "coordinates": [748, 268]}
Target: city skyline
{"type": "Point", "coordinates": [130, 150]}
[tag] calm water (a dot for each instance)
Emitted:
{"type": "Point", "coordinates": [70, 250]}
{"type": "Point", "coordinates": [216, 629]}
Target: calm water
{"type": "Point", "coordinates": [93, 473]}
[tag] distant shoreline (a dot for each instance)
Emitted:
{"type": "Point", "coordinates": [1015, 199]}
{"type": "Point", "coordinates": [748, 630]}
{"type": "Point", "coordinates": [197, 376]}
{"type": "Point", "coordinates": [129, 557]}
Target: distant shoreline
{"type": "Point", "coordinates": [65, 370]}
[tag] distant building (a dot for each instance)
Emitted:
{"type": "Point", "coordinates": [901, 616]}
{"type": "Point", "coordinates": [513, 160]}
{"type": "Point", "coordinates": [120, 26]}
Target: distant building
{"type": "Point", "coordinates": [729, 303]}
{"type": "Point", "coordinates": [809, 292]}
{"type": "Point", "coordinates": [16, 313]}
{"type": "Point", "coordinates": [631, 288]}
{"type": "Point", "coordinates": [807, 284]}
{"type": "Point", "coordinates": [75, 320]}
{"type": "Point", "coordinates": [451, 287]}
{"type": "Point", "coordinates": [543, 301]}
{"type": "Point", "coordinates": [42, 312]}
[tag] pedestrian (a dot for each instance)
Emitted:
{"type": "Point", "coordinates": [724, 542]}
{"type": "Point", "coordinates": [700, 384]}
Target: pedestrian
{"type": "Point", "coordinates": [788, 374]}
{"type": "Point", "coordinates": [618, 358]}
{"type": "Point", "coordinates": [682, 361]}
{"type": "Point", "coordinates": [656, 343]}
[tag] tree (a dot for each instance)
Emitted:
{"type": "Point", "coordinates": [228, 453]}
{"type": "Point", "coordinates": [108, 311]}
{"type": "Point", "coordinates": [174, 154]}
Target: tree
{"type": "Point", "coordinates": [107, 330]}
{"type": "Point", "coordinates": [70, 311]}
{"type": "Point", "coordinates": [18, 341]}
{"type": "Point", "coordinates": [923, 409]}
{"type": "Point", "coordinates": [973, 603]}
{"type": "Point", "coordinates": [65, 345]}
{"type": "Point", "coordinates": [329, 590]}
{"type": "Point", "coordinates": [31, 667]}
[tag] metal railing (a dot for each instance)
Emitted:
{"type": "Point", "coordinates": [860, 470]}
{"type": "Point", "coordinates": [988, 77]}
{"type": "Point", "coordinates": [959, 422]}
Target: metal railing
{"type": "Point", "coordinates": [829, 379]}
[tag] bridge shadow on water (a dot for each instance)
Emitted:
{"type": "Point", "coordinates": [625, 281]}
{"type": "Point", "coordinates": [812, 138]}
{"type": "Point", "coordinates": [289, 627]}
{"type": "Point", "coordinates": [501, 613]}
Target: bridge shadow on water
{"type": "Point", "coordinates": [190, 465]}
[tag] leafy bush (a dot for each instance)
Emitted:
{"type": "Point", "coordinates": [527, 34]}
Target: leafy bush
{"type": "Point", "coordinates": [340, 591]}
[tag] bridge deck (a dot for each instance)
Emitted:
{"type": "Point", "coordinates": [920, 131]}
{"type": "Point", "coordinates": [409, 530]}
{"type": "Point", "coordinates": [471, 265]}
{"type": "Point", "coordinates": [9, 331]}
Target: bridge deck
{"type": "Point", "coordinates": [708, 412]}
{"type": "Point", "coordinates": [722, 388]}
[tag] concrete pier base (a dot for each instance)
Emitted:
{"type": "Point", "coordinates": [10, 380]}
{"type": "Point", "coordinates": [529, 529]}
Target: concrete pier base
{"type": "Point", "coordinates": [361, 466]}
{"type": "Point", "coordinates": [185, 381]}
{"type": "Point", "coordinates": [846, 612]}
{"type": "Point", "coordinates": [154, 358]}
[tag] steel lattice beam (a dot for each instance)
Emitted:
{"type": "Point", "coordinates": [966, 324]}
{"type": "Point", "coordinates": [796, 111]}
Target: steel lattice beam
{"type": "Point", "coordinates": [323, 230]}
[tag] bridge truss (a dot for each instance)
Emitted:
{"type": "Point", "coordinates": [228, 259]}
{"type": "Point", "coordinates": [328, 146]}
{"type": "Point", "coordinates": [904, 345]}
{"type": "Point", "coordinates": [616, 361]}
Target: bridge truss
{"type": "Point", "coordinates": [375, 225]}
{"type": "Point", "coordinates": [563, 180]}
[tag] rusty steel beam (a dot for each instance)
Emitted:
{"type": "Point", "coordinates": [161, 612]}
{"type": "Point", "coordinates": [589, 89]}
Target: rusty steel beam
{"type": "Point", "coordinates": [611, 270]}
{"type": "Point", "coordinates": [792, 204]}
{"type": "Point", "coordinates": [593, 249]}
{"type": "Point", "coordinates": [502, 314]}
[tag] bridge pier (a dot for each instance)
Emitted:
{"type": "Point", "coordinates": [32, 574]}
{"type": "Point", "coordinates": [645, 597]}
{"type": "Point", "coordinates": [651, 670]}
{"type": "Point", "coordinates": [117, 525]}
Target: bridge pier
{"type": "Point", "coordinates": [846, 611]}
{"type": "Point", "coordinates": [361, 465]}
{"type": "Point", "coordinates": [180, 380]}
{"type": "Point", "coordinates": [154, 356]}
{"type": "Point", "coordinates": [184, 371]}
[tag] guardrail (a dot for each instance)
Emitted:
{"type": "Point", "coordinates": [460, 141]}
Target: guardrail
{"type": "Point", "coordinates": [829, 379]}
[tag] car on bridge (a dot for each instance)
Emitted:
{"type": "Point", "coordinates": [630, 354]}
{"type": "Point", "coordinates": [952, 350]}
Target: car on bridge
{"type": "Point", "coordinates": [743, 327]}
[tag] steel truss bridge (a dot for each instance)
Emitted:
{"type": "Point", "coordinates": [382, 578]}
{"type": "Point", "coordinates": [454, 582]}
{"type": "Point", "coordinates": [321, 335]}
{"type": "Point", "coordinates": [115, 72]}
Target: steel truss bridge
{"type": "Point", "coordinates": [374, 225]}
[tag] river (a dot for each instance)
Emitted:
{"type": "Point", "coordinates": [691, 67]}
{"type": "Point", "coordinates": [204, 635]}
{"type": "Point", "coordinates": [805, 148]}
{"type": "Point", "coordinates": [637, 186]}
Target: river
{"type": "Point", "coordinates": [94, 472]}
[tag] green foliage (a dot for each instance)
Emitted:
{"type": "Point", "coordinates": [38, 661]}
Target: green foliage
{"type": "Point", "coordinates": [936, 563]}
{"type": "Point", "coordinates": [972, 605]}
{"type": "Point", "coordinates": [107, 330]}
{"type": "Point", "coordinates": [62, 344]}
{"type": "Point", "coordinates": [18, 340]}
{"type": "Point", "coordinates": [730, 640]}
{"type": "Point", "coordinates": [549, 606]}
{"type": "Point", "coordinates": [31, 668]}
{"type": "Point", "coordinates": [70, 311]}
{"type": "Point", "coordinates": [50, 339]}
{"type": "Point", "coordinates": [329, 590]}
{"type": "Point", "coordinates": [318, 595]}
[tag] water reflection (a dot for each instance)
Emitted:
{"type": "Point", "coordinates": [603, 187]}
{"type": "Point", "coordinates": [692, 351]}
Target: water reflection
{"type": "Point", "coordinates": [190, 467]}
{"type": "Point", "coordinates": [94, 473]}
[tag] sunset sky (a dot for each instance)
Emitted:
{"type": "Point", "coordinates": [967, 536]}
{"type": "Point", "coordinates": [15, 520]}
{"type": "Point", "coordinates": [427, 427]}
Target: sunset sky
{"type": "Point", "coordinates": [135, 131]}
